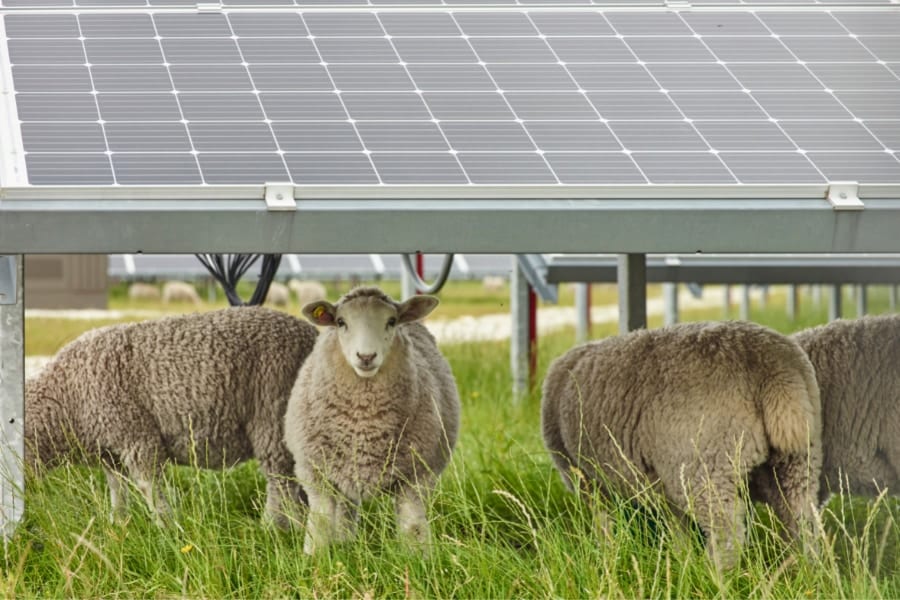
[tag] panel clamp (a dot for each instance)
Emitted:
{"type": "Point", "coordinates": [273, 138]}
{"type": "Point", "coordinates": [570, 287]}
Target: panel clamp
{"type": "Point", "coordinates": [844, 195]}
{"type": "Point", "coordinates": [678, 4]}
{"type": "Point", "coordinates": [280, 196]}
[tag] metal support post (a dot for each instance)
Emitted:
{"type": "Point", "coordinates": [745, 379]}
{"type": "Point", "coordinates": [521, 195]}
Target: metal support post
{"type": "Point", "coordinates": [632, 280]}
{"type": "Point", "coordinates": [726, 301]}
{"type": "Point", "coordinates": [744, 308]}
{"type": "Point", "coordinates": [582, 312]}
{"type": "Point", "coordinates": [792, 298]}
{"type": "Point", "coordinates": [12, 392]}
{"type": "Point", "coordinates": [519, 340]}
{"type": "Point", "coordinates": [862, 300]}
{"type": "Point", "coordinates": [892, 298]}
{"type": "Point", "coordinates": [834, 303]}
{"type": "Point", "coordinates": [670, 297]}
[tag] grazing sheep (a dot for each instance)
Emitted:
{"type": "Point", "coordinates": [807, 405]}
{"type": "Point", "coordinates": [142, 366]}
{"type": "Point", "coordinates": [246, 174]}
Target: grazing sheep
{"type": "Point", "coordinates": [493, 283]}
{"type": "Point", "coordinates": [208, 386]}
{"type": "Point", "coordinates": [857, 365]}
{"type": "Point", "coordinates": [693, 408]}
{"type": "Point", "coordinates": [278, 294]}
{"type": "Point", "coordinates": [308, 291]}
{"type": "Point", "coordinates": [375, 408]}
{"type": "Point", "coordinates": [179, 291]}
{"type": "Point", "coordinates": [143, 291]}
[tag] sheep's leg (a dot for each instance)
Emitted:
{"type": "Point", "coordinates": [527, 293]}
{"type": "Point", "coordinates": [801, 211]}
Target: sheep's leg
{"type": "Point", "coordinates": [331, 519]}
{"type": "Point", "coordinates": [118, 494]}
{"type": "Point", "coordinates": [284, 497]}
{"type": "Point", "coordinates": [144, 464]}
{"type": "Point", "coordinates": [721, 515]}
{"type": "Point", "coordinates": [412, 519]}
{"type": "Point", "coordinates": [787, 484]}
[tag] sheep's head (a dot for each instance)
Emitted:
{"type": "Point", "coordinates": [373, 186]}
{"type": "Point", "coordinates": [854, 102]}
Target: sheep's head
{"type": "Point", "coordinates": [366, 320]}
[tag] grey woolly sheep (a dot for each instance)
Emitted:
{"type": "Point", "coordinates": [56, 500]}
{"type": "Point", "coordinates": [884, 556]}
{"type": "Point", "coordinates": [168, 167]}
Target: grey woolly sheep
{"type": "Point", "coordinates": [278, 295]}
{"type": "Point", "coordinates": [857, 365]}
{"type": "Point", "coordinates": [308, 291]}
{"type": "Point", "coordinates": [375, 409]}
{"type": "Point", "coordinates": [211, 386]}
{"type": "Point", "coordinates": [693, 408]}
{"type": "Point", "coordinates": [179, 291]}
{"type": "Point", "coordinates": [143, 291]}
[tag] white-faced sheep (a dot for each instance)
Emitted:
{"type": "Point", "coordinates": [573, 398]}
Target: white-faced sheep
{"type": "Point", "coordinates": [693, 408]}
{"type": "Point", "coordinates": [212, 386]}
{"type": "Point", "coordinates": [375, 408]}
{"type": "Point", "coordinates": [278, 295]}
{"type": "Point", "coordinates": [308, 291]}
{"type": "Point", "coordinates": [857, 365]}
{"type": "Point", "coordinates": [143, 291]}
{"type": "Point", "coordinates": [179, 291]}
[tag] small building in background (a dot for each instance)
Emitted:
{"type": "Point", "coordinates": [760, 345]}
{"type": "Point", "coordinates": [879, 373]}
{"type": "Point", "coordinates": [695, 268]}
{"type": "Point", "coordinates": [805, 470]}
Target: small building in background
{"type": "Point", "coordinates": [66, 281]}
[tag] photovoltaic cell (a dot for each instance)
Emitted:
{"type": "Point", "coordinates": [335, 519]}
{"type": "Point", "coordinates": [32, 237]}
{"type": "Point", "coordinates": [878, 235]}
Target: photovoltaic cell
{"type": "Point", "coordinates": [497, 96]}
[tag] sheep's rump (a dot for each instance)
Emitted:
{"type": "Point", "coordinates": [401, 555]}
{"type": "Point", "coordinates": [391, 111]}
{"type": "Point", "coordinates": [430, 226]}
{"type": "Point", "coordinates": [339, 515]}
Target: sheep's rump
{"type": "Point", "coordinates": [667, 403]}
{"type": "Point", "coordinates": [857, 363]}
{"type": "Point", "coordinates": [208, 382]}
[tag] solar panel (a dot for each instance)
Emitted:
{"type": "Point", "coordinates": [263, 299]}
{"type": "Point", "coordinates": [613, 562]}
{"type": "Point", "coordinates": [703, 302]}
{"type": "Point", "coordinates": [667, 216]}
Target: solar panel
{"type": "Point", "coordinates": [500, 96]}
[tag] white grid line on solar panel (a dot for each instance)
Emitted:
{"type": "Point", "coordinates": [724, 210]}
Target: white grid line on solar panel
{"type": "Point", "coordinates": [494, 82]}
{"type": "Point", "coordinates": [756, 102]}
{"type": "Point", "coordinates": [182, 120]}
{"type": "Point", "coordinates": [888, 150]}
{"type": "Point", "coordinates": [684, 116]}
{"type": "Point", "coordinates": [509, 105]}
{"type": "Point", "coordinates": [428, 108]}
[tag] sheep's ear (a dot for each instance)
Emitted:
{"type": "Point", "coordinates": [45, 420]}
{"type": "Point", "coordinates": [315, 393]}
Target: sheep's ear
{"type": "Point", "coordinates": [417, 307]}
{"type": "Point", "coordinates": [321, 313]}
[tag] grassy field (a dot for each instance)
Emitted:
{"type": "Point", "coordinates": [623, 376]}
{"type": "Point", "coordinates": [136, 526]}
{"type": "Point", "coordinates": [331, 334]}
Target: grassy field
{"type": "Point", "coordinates": [503, 526]}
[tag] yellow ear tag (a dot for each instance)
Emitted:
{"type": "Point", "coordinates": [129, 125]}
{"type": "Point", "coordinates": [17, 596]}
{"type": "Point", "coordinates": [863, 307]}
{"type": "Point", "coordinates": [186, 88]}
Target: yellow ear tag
{"type": "Point", "coordinates": [319, 311]}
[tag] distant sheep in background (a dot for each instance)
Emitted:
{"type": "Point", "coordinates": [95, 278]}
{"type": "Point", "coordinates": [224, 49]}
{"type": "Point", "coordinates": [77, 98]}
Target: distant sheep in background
{"type": "Point", "coordinates": [375, 409]}
{"type": "Point", "coordinates": [179, 291]}
{"type": "Point", "coordinates": [308, 291]}
{"type": "Point", "coordinates": [493, 283]}
{"type": "Point", "coordinates": [695, 407]}
{"type": "Point", "coordinates": [143, 291]}
{"type": "Point", "coordinates": [278, 295]}
{"type": "Point", "coordinates": [857, 364]}
{"type": "Point", "coordinates": [211, 386]}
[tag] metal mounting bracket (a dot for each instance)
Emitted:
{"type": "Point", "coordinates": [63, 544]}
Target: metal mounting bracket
{"type": "Point", "coordinates": [209, 7]}
{"type": "Point", "coordinates": [280, 196]}
{"type": "Point", "coordinates": [678, 4]}
{"type": "Point", "coordinates": [7, 279]}
{"type": "Point", "coordinates": [844, 195]}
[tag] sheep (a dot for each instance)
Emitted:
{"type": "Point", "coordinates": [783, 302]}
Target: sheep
{"type": "Point", "coordinates": [143, 291]}
{"type": "Point", "coordinates": [693, 408]}
{"type": "Point", "coordinates": [179, 291]}
{"type": "Point", "coordinates": [857, 364]}
{"type": "Point", "coordinates": [308, 291]}
{"type": "Point", "coordinates": [278, 294]}
{"type": "Point", "coordinates": [375, 408]}
{"type": "Point", "coordinates": [493, 283]}
{"type": "Point", "coordinates": [210, 387]}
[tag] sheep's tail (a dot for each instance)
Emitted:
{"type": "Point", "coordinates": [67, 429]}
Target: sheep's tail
{"type": "Point", "coordinates": [791, 410]}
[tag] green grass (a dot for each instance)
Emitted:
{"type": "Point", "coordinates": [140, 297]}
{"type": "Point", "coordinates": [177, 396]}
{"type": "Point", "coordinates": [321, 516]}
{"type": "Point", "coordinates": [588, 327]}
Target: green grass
{"type": "Point", "coordinates": [503, 526]}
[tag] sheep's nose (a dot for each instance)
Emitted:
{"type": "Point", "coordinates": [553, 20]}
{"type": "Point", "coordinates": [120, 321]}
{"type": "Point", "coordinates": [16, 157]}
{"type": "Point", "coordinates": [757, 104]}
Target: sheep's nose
{"type": "Point", "coordinates": [366, 358]}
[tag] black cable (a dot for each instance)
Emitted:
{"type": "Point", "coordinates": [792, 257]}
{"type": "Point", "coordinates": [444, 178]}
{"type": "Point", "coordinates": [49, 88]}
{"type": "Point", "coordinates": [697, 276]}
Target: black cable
{"type": "Point", "coordinates": [228, 269]}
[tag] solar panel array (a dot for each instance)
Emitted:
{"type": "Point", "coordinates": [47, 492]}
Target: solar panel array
{"type": "Point", "coordinates": [456, 96]}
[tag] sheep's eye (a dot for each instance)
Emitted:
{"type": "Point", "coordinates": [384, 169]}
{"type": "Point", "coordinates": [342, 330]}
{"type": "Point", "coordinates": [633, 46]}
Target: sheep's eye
{"type": "Point", "coordinates": [392, 321]}
{"type": "Point", "coordinates": [341, 322]}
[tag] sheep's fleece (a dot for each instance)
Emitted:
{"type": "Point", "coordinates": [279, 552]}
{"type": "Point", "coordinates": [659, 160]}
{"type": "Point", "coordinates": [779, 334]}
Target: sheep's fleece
{"type": "Point", "coordinates": [138, 395]}
{"type": "Point", "coordinates": [857, 365]}
{"type": "Point", "coordinates": [691, 407]}
{"type": "Point", "coordinates": [354, 433]}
